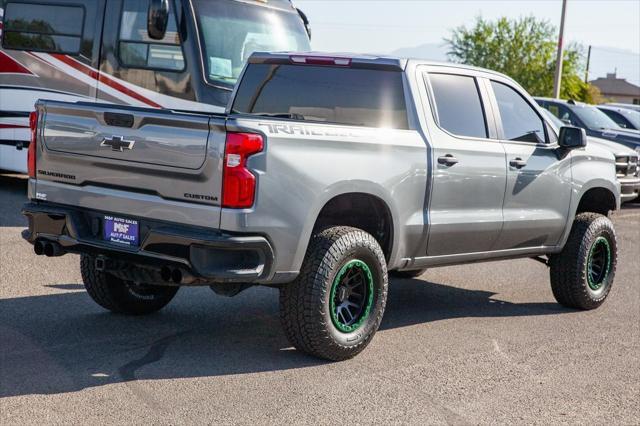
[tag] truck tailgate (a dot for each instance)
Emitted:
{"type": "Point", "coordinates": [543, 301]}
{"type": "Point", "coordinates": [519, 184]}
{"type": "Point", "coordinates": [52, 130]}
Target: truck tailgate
{"type": "Point", "coordinates": [168, 154]}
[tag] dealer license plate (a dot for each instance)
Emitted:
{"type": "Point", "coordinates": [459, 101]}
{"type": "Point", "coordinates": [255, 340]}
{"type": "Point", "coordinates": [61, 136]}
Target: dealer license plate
{"type": "Point", "coordinates": [120, 230]}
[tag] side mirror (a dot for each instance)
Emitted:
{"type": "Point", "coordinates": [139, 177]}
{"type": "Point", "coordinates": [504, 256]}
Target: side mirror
{"type": "Point", "coordinates": [572, 137]}
{"type": "Point", "coordinates": [157, 18]}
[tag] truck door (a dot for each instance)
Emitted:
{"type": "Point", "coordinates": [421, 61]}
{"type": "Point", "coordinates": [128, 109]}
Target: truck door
{"type": "Point", "coordinates": [468, 179]}
{"type": "Point", "coordinates": [538, 191]}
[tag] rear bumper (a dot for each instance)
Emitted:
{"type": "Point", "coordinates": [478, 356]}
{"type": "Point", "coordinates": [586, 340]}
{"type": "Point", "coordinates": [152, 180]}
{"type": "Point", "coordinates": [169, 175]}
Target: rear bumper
{"type": "Point", "coordinates": [629, 189]}
{"type": "Point", "coordinates": [205, 256]}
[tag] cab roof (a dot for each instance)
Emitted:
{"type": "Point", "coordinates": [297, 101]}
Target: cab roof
{"type": "Point", "coordinates": [355, 60]}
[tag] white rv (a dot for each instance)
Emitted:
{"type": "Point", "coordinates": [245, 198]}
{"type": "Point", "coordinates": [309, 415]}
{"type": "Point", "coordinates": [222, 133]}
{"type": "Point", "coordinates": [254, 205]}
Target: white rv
{"type": "Point", "coordinates": [175, 54]}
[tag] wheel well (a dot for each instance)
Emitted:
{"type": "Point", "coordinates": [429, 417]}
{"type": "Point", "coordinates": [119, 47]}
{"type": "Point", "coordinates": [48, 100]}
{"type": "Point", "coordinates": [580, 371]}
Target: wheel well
{"type": "Point", "coordinates": [597, 200]}
{"type": "Point", "coordinates": [363, 211]}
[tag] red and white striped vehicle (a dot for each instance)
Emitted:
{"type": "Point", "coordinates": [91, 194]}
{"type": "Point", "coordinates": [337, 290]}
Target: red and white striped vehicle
{"type": "Point", "coordinates": [174, 54]}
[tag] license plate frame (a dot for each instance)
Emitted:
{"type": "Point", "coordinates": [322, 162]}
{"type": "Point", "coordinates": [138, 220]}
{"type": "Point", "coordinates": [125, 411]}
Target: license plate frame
{"type": "Point", "coordinates": [121, 230]}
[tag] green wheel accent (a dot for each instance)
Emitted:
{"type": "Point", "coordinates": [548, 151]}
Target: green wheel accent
{"type": "Point", "coordinates": [351, 296]}
{"type": "Point", "coordinates": [598, 263]}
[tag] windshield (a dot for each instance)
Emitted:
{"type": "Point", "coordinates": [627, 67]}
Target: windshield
{"type": "Point", "coordinates": [230, 31]}
{"type": "Point", "coordinates": [593, 118]}
{"type": "Point", "coordinates": [632, 116]}
{"type": "Point", "coordinates": [556, 123]}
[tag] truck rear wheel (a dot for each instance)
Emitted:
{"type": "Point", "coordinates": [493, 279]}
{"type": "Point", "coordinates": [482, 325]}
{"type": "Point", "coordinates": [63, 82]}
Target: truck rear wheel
{"type": "Point", "coordinates": [122, 296]}
{"type": "Point", "coordinates": [582, 274]}
{"type": "Point", "coordinates": [335, 306]}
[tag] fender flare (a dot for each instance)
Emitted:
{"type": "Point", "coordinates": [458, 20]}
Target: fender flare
{"type": "Point", "coordinates": [578, 193]}
{"type": "Point", "coordinates": [341, 188]}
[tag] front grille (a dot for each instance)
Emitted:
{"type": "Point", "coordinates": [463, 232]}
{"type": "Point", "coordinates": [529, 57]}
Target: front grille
{"type": "Point", "coordinates": [626, 166]}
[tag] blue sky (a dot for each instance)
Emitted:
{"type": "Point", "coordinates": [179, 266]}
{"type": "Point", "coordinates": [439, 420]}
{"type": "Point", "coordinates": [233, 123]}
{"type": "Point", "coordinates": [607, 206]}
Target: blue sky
{"type": "Point", "coordinates": [383, 26]}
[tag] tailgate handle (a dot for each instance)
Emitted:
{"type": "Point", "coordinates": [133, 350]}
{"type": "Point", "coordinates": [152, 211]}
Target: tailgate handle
{"type": "Point", "coordinates": [118, 119]}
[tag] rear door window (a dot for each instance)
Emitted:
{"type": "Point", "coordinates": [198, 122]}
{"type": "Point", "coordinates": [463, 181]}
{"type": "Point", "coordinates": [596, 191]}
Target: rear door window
{"type": "Point", "coordinates": [520, 122]}
{"type": "Point", "coordinates": [350, 96]}
{"type": "Point", "coordinates": [458, 105]}
{"type": "Point", "coordinates": [43, 27]}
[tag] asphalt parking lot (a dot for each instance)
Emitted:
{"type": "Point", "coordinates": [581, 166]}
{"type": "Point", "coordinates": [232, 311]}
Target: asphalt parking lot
{"type": "Point", "coordinates": [482, 343]}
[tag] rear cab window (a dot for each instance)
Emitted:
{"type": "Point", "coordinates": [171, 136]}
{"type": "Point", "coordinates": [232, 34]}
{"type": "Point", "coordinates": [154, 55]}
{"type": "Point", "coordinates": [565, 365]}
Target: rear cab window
{"type": "Point", "coordinates": [322, 94]}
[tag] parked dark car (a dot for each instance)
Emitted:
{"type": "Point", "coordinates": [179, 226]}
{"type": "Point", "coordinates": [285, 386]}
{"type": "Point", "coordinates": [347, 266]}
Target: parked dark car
{"type": "Point", "coordinates": [590, 118]}
{"type": "Point", "coordinates": [624, 117]}
{"type": "Point", "coordinates": [633, 107]}
{"type": "Point", "coordinates": [627, 169]}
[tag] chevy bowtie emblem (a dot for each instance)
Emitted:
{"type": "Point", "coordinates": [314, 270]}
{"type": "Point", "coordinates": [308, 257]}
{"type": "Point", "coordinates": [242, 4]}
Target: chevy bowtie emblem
{"type": "Point", "coordinates": [117, 143]}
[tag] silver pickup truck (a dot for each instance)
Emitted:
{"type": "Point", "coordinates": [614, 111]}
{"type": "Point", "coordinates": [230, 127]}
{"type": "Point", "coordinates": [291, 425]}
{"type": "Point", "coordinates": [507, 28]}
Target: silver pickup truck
{"type": "Point", "coordinates": [324, 174]}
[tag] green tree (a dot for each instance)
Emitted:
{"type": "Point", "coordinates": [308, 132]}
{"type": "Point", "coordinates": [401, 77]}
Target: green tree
{"type": "Point", "coordinates": [525, 50]}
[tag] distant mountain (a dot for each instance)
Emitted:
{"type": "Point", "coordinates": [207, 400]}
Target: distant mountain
{"type": "Point", "coordinates": [430, 51]}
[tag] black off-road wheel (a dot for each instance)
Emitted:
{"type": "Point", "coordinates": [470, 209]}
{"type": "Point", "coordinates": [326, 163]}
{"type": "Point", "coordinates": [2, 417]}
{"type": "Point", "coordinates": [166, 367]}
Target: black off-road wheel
{"type": "Point", "coordinates": [335, 306]}
{"type": "Point", "coordinates": [582, 274]}
{"type": "Point", "coordinates": [120, 296]}
{"type": "Point", "coordinates": [408, 274]}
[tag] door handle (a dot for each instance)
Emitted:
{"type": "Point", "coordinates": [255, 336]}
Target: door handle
{"type": "Point", "coordinates": [447, 160]}
{"type": "Point", "coordinates": [518, 163]}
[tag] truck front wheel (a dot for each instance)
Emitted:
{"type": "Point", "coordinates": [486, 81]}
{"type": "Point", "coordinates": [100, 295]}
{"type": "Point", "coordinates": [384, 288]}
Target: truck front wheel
{"type": "Point", "coordinates": [582, 274]}
{"type": "Point", "coordinates": [334, 307]}
{"type": "Point", "coordinates": [122, 296]}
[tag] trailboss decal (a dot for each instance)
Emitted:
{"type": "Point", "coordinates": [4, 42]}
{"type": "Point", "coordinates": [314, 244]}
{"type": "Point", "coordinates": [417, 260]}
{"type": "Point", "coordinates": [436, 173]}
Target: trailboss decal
{"type": "Point", "coordinates": [303, 130]}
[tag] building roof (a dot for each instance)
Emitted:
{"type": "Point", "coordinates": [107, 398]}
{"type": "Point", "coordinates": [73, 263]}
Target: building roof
{"type": "Point", "coordinates": [611, 85]}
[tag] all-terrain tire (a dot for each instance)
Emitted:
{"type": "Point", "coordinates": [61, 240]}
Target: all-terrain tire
{"type": "Point", "coordinates": [311, 306]}
{"type": "Point", "coordinates": [407, 274]}
{"type": "Point", "coordinates": [122, 296]}
{"type": "Point", "coordinates": [575, 280]}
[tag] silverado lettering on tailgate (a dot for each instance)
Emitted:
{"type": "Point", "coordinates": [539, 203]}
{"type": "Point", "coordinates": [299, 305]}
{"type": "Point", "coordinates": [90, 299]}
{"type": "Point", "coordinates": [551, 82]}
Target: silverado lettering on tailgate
{"type": "Point", "coordinates": [56, 174]}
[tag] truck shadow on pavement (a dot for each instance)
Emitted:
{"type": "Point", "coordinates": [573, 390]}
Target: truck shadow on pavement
{"type": "Point", "coordinates": [63, 342]}
{"type": "Point", "coordinates": [13, 193]}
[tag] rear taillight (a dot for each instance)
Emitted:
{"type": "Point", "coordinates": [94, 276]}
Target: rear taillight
{"type": "Point", "coordinates": [31, 152]}
{"type": "Point", "coordinates": [238, 183]}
